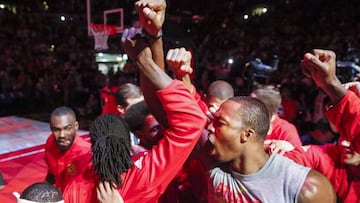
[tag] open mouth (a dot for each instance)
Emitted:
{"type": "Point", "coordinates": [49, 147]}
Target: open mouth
{"type": "Point", "coordinates": [211, 138]}
{"type": "Point", "coordinates": [63, 142]}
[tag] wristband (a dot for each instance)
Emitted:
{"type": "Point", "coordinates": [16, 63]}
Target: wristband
{"type": "Point", "coordinates": [328, 107]}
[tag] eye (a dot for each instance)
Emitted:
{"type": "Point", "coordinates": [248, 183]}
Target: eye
{"type": "Point", "coordinates": [68, 128]}
{"type": "Point", "coordinates": [218, 123]}
{"type": "Point", "coordinates": [55, 130]}
{"type": "Point", "coordinates": [155, 129]}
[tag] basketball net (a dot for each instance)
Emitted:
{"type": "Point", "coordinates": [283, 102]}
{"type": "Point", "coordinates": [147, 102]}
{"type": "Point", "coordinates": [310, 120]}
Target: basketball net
{"type": "Point", "coordinates": [101, 35]}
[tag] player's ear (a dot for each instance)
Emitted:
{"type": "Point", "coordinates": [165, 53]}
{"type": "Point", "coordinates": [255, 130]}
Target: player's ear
{"type": "Point", "coordinates": [121, 110]}
{"type": "Point", "coordinates": [76, 125]}
{"type": "Point", "coordinates": [247, 134]}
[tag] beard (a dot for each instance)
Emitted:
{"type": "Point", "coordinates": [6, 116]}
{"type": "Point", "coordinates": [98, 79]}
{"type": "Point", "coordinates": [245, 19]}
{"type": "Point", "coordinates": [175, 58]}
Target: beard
{"type": "Point", "coordinates": [64, 143]}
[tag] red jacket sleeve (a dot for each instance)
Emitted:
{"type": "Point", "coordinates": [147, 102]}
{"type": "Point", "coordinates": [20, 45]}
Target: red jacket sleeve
{"type": "Point", "coordinates": [186, 123]}
{"type": "Point", "coordinates": [200, 102]}
{"type": "Point", "coordinates": [345, 115]}
{"type": "Point", "coordinates": [284, 130]}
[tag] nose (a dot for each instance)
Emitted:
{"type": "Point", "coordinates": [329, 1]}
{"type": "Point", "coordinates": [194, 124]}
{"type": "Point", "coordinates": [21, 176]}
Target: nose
{"type": "Point", "coordinates": [62, 134]}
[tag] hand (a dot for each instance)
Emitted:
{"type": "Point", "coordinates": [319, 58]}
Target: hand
{"type": "Point", "coordinates": [151, 14]}
{"type": "Point", "coordinates": [351, 157]}
{"type": "Point", "coordinates": [108, 194]}
{"type": "Point", "coordinates": [320, 66]}
{"type": "Point", "coordinates": [278, 146]}
{"type": "Point", "coordinates": [354, 87]}
{"type": "Point", "coordinates": [133, 44]}
{"type": "Point", "coordinates": [179, 62]}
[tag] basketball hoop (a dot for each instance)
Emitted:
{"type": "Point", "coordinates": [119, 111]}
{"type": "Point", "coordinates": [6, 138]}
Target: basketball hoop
{"type": "Point", "coordinates": [101, 34]}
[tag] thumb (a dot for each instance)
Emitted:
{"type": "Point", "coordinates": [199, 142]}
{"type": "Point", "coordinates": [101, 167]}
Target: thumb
{"type": "Point", "coordinates": [186, 69]}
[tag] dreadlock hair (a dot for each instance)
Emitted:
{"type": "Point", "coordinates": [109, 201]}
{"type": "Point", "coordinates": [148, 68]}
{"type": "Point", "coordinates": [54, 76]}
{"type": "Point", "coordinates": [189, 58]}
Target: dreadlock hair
{"type": "Point", "coordinates": [111, 148]}
{"type": "Point", "coordinates": [41, 192]}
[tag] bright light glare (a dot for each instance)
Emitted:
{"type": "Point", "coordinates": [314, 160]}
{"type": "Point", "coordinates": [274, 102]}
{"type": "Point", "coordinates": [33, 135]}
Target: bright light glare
{"type": "Point", "coordinates": [125, 57]}
{"type": "Point", "coordinates": [62, 18]}
{"type": "Point", "coordinates": [2, 6]}
{"type": "Point", "coordinates": [246, 16]}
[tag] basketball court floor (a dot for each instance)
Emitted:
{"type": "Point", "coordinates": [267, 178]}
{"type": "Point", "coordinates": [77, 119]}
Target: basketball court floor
{"type": "Point", "coordinates": [22, 153]}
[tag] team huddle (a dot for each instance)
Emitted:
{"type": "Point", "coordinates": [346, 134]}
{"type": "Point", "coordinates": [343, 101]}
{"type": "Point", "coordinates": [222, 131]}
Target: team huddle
{"type": "Point", "coordinates": [238, 146]}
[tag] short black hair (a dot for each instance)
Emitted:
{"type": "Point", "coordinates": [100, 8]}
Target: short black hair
{"type": "Point", "coordinates": [63, 110]}
{"type": "Point", "coordinates": [42, 192]}
{"type": "Point", "coordinates": [135, 116]}
{"type": "Point", "coordinates": [254, 114]}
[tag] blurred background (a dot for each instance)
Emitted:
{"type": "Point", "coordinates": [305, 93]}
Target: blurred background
{"type": "Point", "coordinates": [47, 56]}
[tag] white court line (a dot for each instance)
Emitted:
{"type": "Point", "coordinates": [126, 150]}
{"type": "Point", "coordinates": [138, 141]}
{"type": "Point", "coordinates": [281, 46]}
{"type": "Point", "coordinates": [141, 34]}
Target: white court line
{"type": "Point", "coordinates": [22, 155]}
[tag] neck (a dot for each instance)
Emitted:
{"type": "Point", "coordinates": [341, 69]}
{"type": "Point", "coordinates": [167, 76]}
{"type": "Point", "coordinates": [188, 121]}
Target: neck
{"type": "Point", "coordinates": [251, 161]}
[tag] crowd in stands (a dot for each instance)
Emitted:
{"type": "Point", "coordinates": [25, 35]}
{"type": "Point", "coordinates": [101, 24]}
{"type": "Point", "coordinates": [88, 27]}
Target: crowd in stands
{"type": "Point", "coordinates": [45, 62]}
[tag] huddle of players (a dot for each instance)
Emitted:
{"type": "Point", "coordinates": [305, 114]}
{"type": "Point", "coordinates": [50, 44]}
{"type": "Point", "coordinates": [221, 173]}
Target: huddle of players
{"type": "Point", "coordinates": [238, 164]}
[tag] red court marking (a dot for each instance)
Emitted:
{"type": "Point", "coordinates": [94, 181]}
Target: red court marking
{"type": "Point", "coordinates": [20, 173]}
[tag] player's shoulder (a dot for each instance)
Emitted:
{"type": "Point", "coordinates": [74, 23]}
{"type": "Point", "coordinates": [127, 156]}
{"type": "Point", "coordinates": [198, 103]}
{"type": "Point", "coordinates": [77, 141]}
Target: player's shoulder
{"type": "Point", "coordinates": [316, 188]}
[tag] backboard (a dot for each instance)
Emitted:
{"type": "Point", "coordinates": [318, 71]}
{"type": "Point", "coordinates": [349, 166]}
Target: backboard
{"type": "Point", "coordinates": [106, 13]}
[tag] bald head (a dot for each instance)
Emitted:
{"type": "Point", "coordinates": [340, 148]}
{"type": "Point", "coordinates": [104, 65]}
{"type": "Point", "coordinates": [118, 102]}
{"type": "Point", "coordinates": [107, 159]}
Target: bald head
{"type": "Point", "coordinates": [218, 92]}
{"type": "Point", "coordinates": [270, 96]}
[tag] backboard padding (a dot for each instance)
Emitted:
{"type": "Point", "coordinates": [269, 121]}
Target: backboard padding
{"type": "Point", "coordinates": [105, 12]}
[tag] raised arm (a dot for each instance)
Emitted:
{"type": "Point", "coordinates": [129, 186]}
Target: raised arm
{"type": "Point", "coordinates": [344, 109]}
{"type": "Point", "coordinates": [152, 17]}
{"type": "Point", "coordinates": [138, 50]}
{"type": "Point", "coordinates": [179, 62]}
{"type": "Point", "coordinates": [320, 65]}
{"type": "Point", "coordinates": [184, 116]}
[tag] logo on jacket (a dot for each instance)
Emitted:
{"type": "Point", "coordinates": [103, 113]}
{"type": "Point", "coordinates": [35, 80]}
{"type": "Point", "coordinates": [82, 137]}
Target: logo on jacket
{"type": "Point", "coordinates": [71, 169]}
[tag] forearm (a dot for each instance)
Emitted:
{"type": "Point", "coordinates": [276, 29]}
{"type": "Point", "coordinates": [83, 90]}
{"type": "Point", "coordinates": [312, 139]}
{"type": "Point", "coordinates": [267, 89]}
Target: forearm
{"type": "Point", "coordinates": [335, 90]}
{"type": "Point", "coordinates": [187, 82]}
{"type": "Point", "coordinates": [157, 50]}
{"type": "Point", "coordinates": [152, 73]}
{"type": "Point", "coordinates": [147, 86]}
